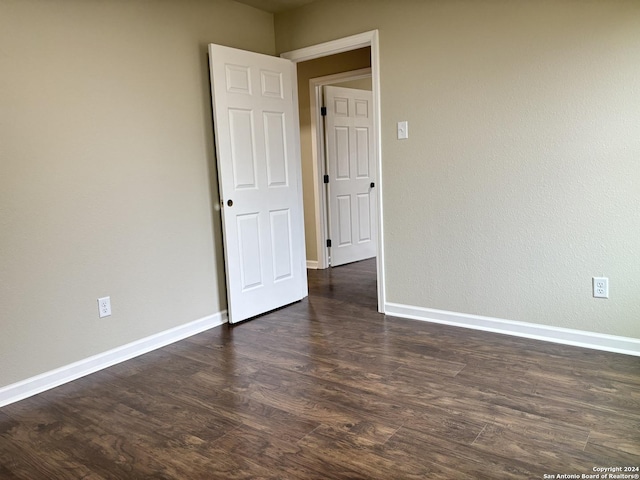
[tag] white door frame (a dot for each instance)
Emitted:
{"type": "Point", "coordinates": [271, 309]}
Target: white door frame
{"type": "Point", "coordinates": [361, 40]}
{"type": "Point", "coordinates": [318, 154]}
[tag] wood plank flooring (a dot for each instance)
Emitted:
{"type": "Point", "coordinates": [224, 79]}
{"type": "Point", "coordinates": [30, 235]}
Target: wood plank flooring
{"type": "Point", "coordinates": [329, 389]}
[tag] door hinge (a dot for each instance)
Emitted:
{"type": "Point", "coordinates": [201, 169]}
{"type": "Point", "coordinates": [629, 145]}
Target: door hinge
{"type": "Point", "coordinates": [328, 242]}
{"type": "Point", "coordinates": [323, 111]}
{"type": "Point", "coordinates": [326, 179]}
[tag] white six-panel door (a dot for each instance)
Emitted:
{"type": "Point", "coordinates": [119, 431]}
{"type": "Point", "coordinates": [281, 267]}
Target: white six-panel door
{"type": "Point", "coordinates": [257, 148]}
{"type": "Point", "coordinates": [351, 167]}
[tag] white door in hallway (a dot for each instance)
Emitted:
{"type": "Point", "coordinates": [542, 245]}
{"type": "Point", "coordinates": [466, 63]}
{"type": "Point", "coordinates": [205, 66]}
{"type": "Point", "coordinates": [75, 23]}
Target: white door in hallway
{"type": "Point", "coordinates": [257, 149]}
{"type": "Point", "coordinates": [352, 174]}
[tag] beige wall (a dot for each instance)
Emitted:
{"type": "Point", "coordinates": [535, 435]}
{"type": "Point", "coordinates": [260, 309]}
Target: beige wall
{"type": "Point", "coordinates": [521, 176]}
{"type": "Point", "coordinates": [343, 62]}
{"type": "Point", "coordinates": [360, 84]}
{"type": "Point", "coordinates": [106, 161]}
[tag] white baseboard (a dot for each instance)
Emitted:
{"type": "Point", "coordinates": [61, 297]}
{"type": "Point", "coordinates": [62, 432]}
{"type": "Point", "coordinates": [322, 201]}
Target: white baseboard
{"type": "Point", "coordinates": [54, 378]}
{"type": "Point", "coordinates": [312, 264]}
{"type": "Point", "coordinates": [565, 336]}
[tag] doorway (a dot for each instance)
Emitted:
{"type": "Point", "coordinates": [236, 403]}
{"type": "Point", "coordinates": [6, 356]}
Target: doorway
{"type": "Point", "coordinates": [360, 79]}
{"type": "Point", "coordinates": [348, 160]}
{"type": "Point", "coordinates": [355, 42]}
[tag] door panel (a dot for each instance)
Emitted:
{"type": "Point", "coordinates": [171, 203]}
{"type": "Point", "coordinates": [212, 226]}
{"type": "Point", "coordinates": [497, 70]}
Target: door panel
{"type": "Point", "coordinates": [344, 220]}
{"type": "Point", "coordinates": [363, 154]}
{"type": "Point", "coordinates": [242, 154]}
{"type": "Point", "coordinates": [255, 122]}
{"type": "Point", "coordinates": [281, 243]}
{"type": "Point", "coordinates": [364, 222]}
{"type": "Point", "coordinates": [275, 140]}
{"type": "Point", "coordinates": [350, 163]}
{"type": "Point", "coordinates": [342, 152]}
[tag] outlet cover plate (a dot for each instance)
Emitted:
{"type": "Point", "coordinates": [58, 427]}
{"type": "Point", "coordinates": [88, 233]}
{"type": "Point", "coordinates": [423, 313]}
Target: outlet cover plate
{"type": "Point", "coordinates": [104, 307]}
{"type": "Point", "coordinates": [600, 287]}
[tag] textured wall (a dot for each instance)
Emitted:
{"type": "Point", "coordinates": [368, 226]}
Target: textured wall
{"type": "Point", "coordinates": [521, 177]}
{"type": "Point", "coordinates": [106, 168]}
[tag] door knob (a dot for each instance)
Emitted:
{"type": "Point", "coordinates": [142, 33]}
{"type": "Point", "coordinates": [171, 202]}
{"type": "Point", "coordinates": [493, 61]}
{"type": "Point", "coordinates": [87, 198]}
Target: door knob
{"type": "Point", "coordinates": [230, 203]}
{"type": "Point", "coordinates": [372, 185]}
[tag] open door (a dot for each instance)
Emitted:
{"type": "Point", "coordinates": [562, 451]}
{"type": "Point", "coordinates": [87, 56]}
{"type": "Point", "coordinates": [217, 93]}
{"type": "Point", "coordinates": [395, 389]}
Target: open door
{"type": "Point", "coordinates": [257, 149]}
{"type": "Point", "coordinates": [352, 174]}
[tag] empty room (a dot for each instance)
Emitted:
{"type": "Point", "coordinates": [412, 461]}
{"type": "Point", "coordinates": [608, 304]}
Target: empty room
{"type": "Point", "coordinates": [328, 239]}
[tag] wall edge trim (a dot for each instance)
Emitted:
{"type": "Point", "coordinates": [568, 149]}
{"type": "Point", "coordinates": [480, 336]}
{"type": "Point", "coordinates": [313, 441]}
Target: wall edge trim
{"type": "Point", "coordinates": [312, 264]}
{"type": "Point", "coordinates": [565, 336]}
{"type": "Point", "coordinates": [45, 381]}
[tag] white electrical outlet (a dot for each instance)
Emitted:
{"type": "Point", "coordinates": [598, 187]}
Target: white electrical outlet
{"type": "Point", "coordinates": [600, 287]}
{"type": "Point", "coordinates": [104, 306]}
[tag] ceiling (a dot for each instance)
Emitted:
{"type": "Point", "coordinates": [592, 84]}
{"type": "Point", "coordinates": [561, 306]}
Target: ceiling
{"type": "Point", "coordinates": [275, 6]}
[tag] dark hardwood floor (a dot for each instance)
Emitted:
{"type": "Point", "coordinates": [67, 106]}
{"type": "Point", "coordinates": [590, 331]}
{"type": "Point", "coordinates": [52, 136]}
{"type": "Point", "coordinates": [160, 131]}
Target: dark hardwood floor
{"type": "Point", "coordinates": [327, 388]}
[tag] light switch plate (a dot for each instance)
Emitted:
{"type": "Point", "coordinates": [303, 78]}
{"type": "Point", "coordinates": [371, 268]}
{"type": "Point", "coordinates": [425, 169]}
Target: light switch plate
{"type": "Point", "coordinates": [403, 130]}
